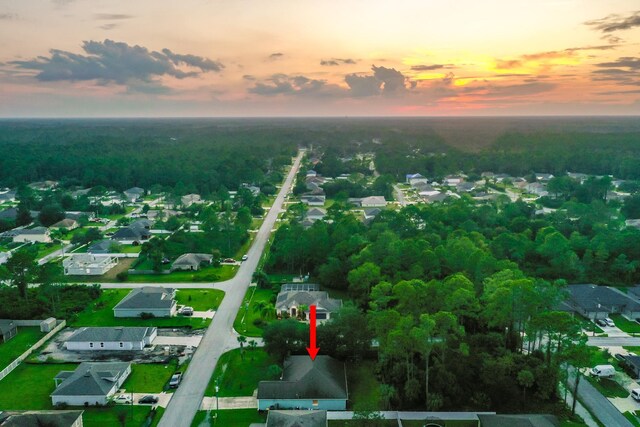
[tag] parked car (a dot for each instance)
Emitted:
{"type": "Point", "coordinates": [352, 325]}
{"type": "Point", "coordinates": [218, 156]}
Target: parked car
{"type": "Point", "coordinates": [148, 399]}
{"type": "Point", "coordinates": [123, 399]}
{"type": "Point", "coordinates": [619, 356]}
{"type": "Point", "coordinates": [609, 322]}
{"type": "Point", "coordinates": [245, 257]}
{"type": "Point", "coordinates": [601, 322]}
{"type": "Point", "coordinates": [174, 382]}
{"type": "Point", "coordinates": [603, 371]}
{"type": "Point", "coordinates": [635, 393]}
{"type": "Point", "coordinates": [229, 260]}
{"type": "Point", "coordinates": [186, 311]}
{"type": "Point", "coordinates": [166, 260]}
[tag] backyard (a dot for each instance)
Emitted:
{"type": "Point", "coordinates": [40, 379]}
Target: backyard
{"type": "Point", "coordinates": [364, 388]}
{"type": "Point", "coordinates": [238, 377]}
{"type": "Point", "coordinates": [29, 386]}
{"type": "Point", "coordinates": [260, 305]}
{"type": "Point", "coordinates": [100, 313]}
{"type": "Point", "coordinates": [26, 337]}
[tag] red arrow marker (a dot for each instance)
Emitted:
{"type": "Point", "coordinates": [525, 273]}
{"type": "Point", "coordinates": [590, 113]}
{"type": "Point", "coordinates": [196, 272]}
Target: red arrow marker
{"type": "Point", "coordinates": [312, 349]}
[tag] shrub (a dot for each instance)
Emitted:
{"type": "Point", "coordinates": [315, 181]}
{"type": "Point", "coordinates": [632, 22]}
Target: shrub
{"type": "Point", "coordinates": [147, 315]}
{"type": "Point", "coordinates": [122, 276]}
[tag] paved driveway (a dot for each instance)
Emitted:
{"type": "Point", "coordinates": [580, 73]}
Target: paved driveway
{"type": "Point", "coordinates": [193, 341]}
{"type": "Point", "coordinates": [188, 397]}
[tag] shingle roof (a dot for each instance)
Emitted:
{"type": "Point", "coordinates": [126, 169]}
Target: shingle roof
{"type": "Point", "coordinates": [90, 379]}
{"type": "Point", "coordinates": [6, 325]}
{"type": "Point", "coordinates": [192, 259]}
{"type": "Point", "coordinates": [65, 223]}
{"type": "Point", "coordinates": [39, 418]}
{"type": "Point", "coordinates": [297, 419]}
{"type": "Point", "coordinates": [127, 233]}
{"type": "Point", "coordinates": [321, 299]}
{"type": "Point", "coordinates": [101, 246]}
{"type": "Point", "coordinates": [111, 334]}
{"type": "Point", "coordinates": [373, 199]}
{"type": "Point", "coordinates": [302, 378]}
{"type": "Point", "coordinates": [148, 297]}
{"type": "Point", "coordinates": [590, 296]}
{"type": "Point", "coordinates": [33, 231]}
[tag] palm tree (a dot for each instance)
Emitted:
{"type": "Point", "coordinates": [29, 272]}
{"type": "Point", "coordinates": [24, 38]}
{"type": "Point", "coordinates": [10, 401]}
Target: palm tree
{"type": "Point", "coordinates": [242, 340]}
{"type": "Point", "coordinates": [265, 308]}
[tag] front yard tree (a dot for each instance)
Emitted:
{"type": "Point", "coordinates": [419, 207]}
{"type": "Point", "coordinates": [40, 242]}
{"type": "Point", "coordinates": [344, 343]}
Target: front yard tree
{"type": "Point", "coordinates": [22, 268]}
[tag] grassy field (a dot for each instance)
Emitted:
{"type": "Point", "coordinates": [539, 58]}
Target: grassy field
{"type": "Point", "coordinates": [635, 350]}
{"type": "Point", "coordinates": [45, 249]}
{"type": "Point", "coordinates": [100, 313]}
{"type": "Point", "coordinates": [608, 387]}
{"type": "Point", "coordinates": [364, 388]}
{"type": "Point", "coordinates": [244, 324]}
{"type": "Point", "coordinates": [633, 418]}
{"type": "Point", "coordinates": [229, 417]}
{"type": "Point", "coordinates": [629, 326]}
{"type": "Point", "coordinates": [149, 377]}
{"type": "Point", "coordinates": [26, 337]}
{"type": "Point", "coordinates": [200, 300]}
{"type": "Point", "coordinates": [238, 377]}
{"type": "Point", "coordinates": [208, 274]}
{"type": "Point", "coordinates": [29, 386]}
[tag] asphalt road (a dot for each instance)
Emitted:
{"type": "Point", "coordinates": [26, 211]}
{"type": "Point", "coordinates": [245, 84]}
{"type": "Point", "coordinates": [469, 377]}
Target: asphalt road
{"type": "Point", "coordinates": [187, 399]}
{"type": "Point", "coordinates": [597, 404]}
{"type": "Point", "coordinates": [614, 341]}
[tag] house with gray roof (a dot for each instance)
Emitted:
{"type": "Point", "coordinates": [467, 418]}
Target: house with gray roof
{"type": "Point", "coordinates": [133, 194]}
{"type": "Point", "coordinates": [598, 302]}
{"type": "Point", "coordinates": [8, 330]}
{"type": "Point", "coordinates": [277, 418]}
{"type": "Point", "coordinates": [313, 200]}
{"type": "Point", "coordinates": [70, 418]}
{"type": "Point", "coordinates": [92, 383]}
{"type": "Point", "coordinates": [373, 202]}
{"type": "Point", "coordinates": [518, 420]}
{"type": "Point", "coordinates": [294, 295]}
{"type": "Point", "coordinates": [190, 199]}
{"type": "Point", "coordinates": [67, 223]}
{"type": "Point", "coordinates": [370, 213]}
{"type": "Point", "coordinates": [101, 247]}
{"type": "Point", "coordinates": [306, 384]}
{"type": "Point", "coordinates": [315, 214]}
{"type": "Point", "coordinates": [111, 338]}
{"type": "Point", "coordinates": [9, 214]}
{"type": "Point", "coordinates": [36, 234]}
{"type": "Point", "coordinates": [155, 300]}
{"type": "Point", "coordinates": [191, 262]}
{"type": "Point", "coordinates": [135, 233]}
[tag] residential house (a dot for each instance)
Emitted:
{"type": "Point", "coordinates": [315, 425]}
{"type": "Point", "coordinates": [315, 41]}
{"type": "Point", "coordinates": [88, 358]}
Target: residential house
{"type": "Point", "coordinates": [598, 302]}
{"type": "Point", "coordinates": [8, 329]}
{"type": "Point", "coordinates": [36, 234]}
{"type": "Point", "coordinates": [465, 187]}
{"type": "Point", "coordinates": [67, 418]}
{"type": "Point", "coordinates": [133, 194]}
{"type": "Point", "coordinates": [306, 384]}
{"type": "Point", "coordinates": [423, 186]}
{"type": "Point", "coordinates": [191, 261]}
{"type": "Point", "coordinates": [315, 214]}
{"type": "Point", "coordinates": [277, 418]}
{"type": "Point", "coordinates": [543, 176]}
{"type": "Point", "coordinates": [293, 296]}
{"type": "Point", "coordinates": [500, 177]}
{"type": "Point", "coordinates": [537, 188]}
{"type": "Point", "coordinates": [7, 195]}
{"type": "Point", "coordinates": [518, 420]}
{"type": "Point", "coordinates": [101, 247]}
{"type": "Point", "coordinates": [415, 178]}
{"type": "Point", "coordinates": [92, 383]}
{"type": "Point", "coordinates": [370, 214]}
{"type": "Point", "coordinates": [44, 185]}
{"type": "Point", "coordinates": [452, 180]}
{"type": "Point", "coordinates": [155, 300]}
{"type": "Point", "coordinates": [9, 214]}
{"type": "Point", "coordinates": [313, 200]}
{"type": "Point", "coordinates": [312, 173]}
{"type": "Point", "coordinates": [134, 233]}
{"type": "Point", "coordinates": [190, 199]}
{"type": "Point", "coordinates": [580, 177]}
{"type": "Point", "coordinates": [111, 338]}
{"type": "Point", "coordinates": [433, 196]}
{"type": "Point", "coordinates": [67, 223]}
{"type": "Point", "coordinates": [373, 202]}
{"type": "Point", "coordinates": [80, 192]}
{"type": "Point", "coordinates": [88, 264]}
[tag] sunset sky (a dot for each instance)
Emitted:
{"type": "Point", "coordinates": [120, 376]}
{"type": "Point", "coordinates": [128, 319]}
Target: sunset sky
{"type": "Point", "coordinates": [94, 58]}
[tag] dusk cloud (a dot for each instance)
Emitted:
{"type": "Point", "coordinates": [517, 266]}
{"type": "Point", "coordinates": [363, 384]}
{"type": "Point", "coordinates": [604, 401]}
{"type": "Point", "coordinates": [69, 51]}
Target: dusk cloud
{"type": "Point", "coordinates": [506, 64]}
{"type": "Point", "coordinates": [336, 61]}
{"type": "Point", "coordinates": [283, 84]}
{"type": "Point", "coordinates": [111, 16]}
{"type": "Point", "coordinates": [384, 81]}
{"type": "Point", "coordinates": [624, 70]}
{"type": "Point", "coordinates": [116, 62]}
{"type": "Point", "coordinates": [615, 22]}
{"type": "Point", "coordinates": [430, 67]}
{"type": "Point", "coordinates": [275, 56]}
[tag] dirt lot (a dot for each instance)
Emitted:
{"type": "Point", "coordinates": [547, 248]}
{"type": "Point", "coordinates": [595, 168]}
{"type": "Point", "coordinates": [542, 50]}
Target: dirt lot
{"type": "Point", "coordinates": [54, 350]}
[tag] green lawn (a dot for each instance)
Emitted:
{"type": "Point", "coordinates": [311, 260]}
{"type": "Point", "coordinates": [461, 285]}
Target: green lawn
{"type": "Point", "coordinates": [108, 417]}
{"type": "Point", "coordinates": [208, 274]}
{"type": "Point", "coordinates": [29, 386]}
{"type": "Point", "coordinates": [200, 300]}
{"type": "Point", "coordinates": [45, 249]}
{"type": "Point", "coordinates": [245, 317]}
{"type": "Point", "coordinates": [601, 357]}
{"type": "Point", "coordinates": [635, 350]}
{"type": "Point", "coordinates": [229, 417]}
{"type": "Point", "coordinates": [629, 326]}
{"type": "Point", "coordinates": [100, 313]}
{"type": "Point", "coordinates": [633, 418]}
{"type": "Point", "coordinates": [239, 377]}
{"type": "Point", "coordinates": [608, 387]}
{"type": "Point", "coordinates": [149, 377]}
{"type": "Point", "coordinates": [26, 337]}
{"type": "Point", "coordinates": [588, 325]}
{"type": "Point", "coordinates": [364, 388]}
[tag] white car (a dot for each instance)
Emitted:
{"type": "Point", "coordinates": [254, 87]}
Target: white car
{"type": "Point", "coordinates": [609, 322]}
{"type": "Point", "coordinates": [245, 257]}
{"type": "Point", "coordinates": [186, 311]}
{"type": "Point", "coordinates": [123, 399]}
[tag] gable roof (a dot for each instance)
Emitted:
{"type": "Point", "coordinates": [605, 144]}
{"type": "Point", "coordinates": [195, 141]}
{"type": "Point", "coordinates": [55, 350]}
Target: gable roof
{"type": "Point", "coordinates": [192, 259]}
{"type": "Point", "coordinates": [39, 418]}
{"type": "Point", "coordinates": [33, 231]}
{"type": "Point", "coordinates": [134, 190]}
{"type": "Point", "coordinates": [100, 246]}
{"type": "Point", "coordinates": [591, 297]}
{"type": "Point", "coordinates": [90, 379]}
{"type": "Point", "coordinates": [287, 299]}
{"type": "Point", "coordinates": [303, 378]}
{"type": "Point", "coordinates": [147, 297]}
{"type": "Point", "coordinates": [279, 418]}
{"type": "Point", "coordinates": [127, 233]}
{"type": "Point", "coordinates": [373, 199]}
{"type": "Point", "coordinates": [316, 212]}
{"type": "Point", "coordinates": [111, 334]}
{"type": "Point", "coordinates": [65, 223]}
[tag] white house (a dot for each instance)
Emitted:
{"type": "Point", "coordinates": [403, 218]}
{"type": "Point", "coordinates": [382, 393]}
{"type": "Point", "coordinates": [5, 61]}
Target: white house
{"type": "Point", "coordinates": [92, 383]}
{"type": "Point", "coordinates": [36, 234]}
{"type": "Point", "coordinates": [190, 199]}
{"type": "Point", "coordinates": [88, 264]}
{"type": "Point", "coordinates": [133, 194]}
{"type": "Point", "coordinates": [111, 339]}
{"type": "Point", "coordinates": [155, 300]}
{"type": "Point", "coordinates": [373, 202]}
